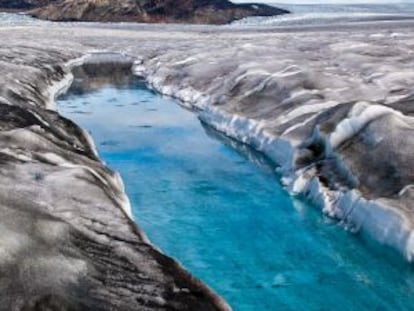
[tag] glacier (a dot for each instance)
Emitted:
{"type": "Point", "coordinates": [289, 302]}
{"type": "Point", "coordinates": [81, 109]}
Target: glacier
{"type": "Point", "coordinates": [330, 106]}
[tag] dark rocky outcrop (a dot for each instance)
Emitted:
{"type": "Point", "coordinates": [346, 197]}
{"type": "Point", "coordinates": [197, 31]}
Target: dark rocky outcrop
{"type": "Point", "coordinates": [153, 11]}
{"type": "Point", "coordinates": [24, 4]}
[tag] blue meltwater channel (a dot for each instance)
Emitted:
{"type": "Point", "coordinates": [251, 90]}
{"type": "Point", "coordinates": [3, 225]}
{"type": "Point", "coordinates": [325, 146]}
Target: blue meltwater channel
{"type": "Point", "coordinates": [218, 208]}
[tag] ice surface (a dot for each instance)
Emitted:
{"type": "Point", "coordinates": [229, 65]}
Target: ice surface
{"type": "Point", "coordinates": [241, 81]}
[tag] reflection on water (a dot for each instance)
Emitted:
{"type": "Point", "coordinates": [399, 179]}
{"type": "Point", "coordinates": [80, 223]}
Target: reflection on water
{"type": "Point", "coordinates": [204, 200]}
{"type": "Point", "coordinates": [96, 74]}
{"type": "Point", "coordinates": [259, 159]}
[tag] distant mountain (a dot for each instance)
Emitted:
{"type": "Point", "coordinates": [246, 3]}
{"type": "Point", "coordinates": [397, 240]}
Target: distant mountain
{"type": "Point", "coordinates": [24, 4]}
{"type": "Point", "coordinates": [149, 11]}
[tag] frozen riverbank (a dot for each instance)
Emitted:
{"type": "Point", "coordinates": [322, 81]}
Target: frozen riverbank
{"type": "Point", "coordinates": [334, 116]}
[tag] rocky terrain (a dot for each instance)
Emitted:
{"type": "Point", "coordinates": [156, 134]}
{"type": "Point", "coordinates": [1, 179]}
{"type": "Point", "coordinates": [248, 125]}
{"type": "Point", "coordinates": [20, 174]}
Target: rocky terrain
{"type": "Point", "coordinates": [331, 107]}
{"type": "Point", "coordinates": [24, 4]}
{"type": "Point", "coordinates": [143, 11]}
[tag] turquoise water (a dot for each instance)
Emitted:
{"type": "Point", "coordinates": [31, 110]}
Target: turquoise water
{"type": "Point", "coordinates": [218, 208]}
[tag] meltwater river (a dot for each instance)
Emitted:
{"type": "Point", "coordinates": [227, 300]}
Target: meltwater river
{"type": "Point", "coordinates": [218, 208]}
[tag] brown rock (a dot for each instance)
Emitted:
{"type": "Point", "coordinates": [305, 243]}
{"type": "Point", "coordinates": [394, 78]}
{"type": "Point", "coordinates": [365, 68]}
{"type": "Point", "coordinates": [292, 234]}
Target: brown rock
{"type": "Point", "coordinates": [153, 11]}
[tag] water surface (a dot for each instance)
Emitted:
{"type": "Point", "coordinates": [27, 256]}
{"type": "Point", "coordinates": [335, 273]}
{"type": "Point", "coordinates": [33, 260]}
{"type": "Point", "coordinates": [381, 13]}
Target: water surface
{"type": "Point", "coordinates": [218, 208]}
